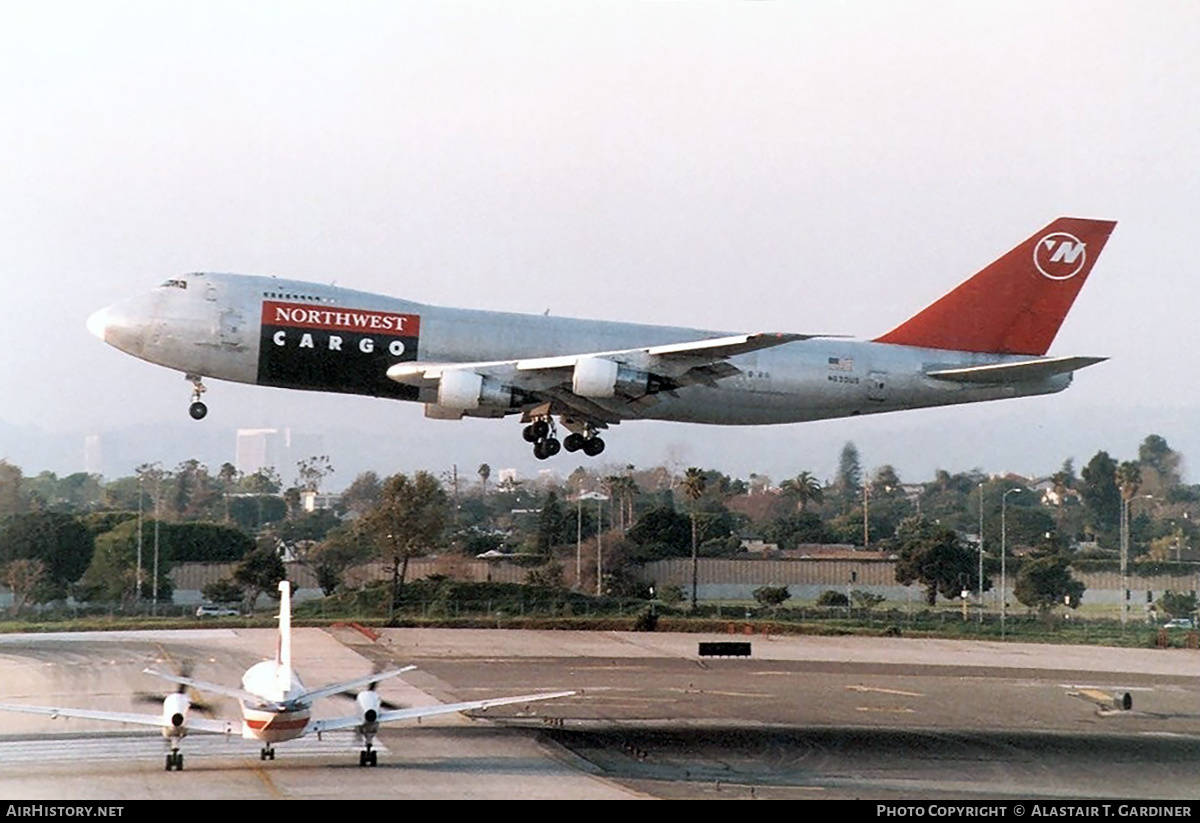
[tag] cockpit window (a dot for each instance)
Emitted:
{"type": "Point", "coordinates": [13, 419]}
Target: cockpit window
{"type": "Point", "coordinates": [175, 283]}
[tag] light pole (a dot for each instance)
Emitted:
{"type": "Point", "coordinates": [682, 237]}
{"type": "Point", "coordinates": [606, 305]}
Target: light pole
{"type": "Point", "coordinates": [1125, 501]}
{"type": "Point", "coordinates": [866, 516]}
{"type": "Point", "coordinates": [139, 543]}
{"type": "Point", "coordinates": [1124, 561]}
{"type": "Point", "coordinates": [1003, 557]}
{"type": "Point", "coordinates": [599, 498]}
{"type": "Point", "coordinates": [981, 554]}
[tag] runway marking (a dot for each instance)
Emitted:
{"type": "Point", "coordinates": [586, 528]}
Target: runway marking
{"type": "Point", "coordinates": [268, 783]}
{"type": "Point", "coordinates": [883, 691]}
{"type": "Point", "coordinates": [895, 710]}
{"type": "Point", "coordinates": [1094, 695]}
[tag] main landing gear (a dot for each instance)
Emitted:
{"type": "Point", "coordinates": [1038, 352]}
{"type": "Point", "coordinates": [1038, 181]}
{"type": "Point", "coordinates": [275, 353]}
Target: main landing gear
{"type": "Point", "coordinates": [588, 443]}
{"type": "Point", "coordinates": [198, 409]}
{"type": "Point", "coordinates": [541, 433]}
{"type": "Point", "coordinates": [266, 753]}
{"type": "Point", "coordinates": [175, 760]}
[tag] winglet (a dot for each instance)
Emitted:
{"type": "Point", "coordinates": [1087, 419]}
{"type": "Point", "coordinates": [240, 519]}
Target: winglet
{"type": "Point", "coordinates": [1017, 304]}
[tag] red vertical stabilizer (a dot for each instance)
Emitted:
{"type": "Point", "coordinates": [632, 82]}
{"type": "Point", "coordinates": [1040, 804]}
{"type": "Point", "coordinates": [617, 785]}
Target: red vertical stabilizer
{"type": "Point", "coordinates": [1017, 304]}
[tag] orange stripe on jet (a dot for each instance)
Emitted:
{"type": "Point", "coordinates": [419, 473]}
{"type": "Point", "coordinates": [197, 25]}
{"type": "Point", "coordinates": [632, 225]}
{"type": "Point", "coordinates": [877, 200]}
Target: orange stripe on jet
{"type": "Point", "coordinates": [276, 724]}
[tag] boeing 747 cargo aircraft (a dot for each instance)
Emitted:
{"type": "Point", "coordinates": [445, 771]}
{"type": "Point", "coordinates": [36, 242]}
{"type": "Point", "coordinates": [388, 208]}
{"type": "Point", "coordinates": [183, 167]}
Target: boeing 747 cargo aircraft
{"type": "Point", "coordinates": [985, 340]}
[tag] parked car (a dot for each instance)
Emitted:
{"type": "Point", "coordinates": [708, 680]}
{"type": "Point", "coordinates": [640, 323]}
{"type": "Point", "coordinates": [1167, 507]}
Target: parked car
{"type": "Point", "coordinates": [209, 610]}
{"type": "Point", "coordinates": [1179, 623]}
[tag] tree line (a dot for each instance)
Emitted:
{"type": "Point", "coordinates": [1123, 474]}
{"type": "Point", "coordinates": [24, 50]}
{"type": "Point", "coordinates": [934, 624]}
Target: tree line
{"type": "Point", "coordinates": [79, 534]}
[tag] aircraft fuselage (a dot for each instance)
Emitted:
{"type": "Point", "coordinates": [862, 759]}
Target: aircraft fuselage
{"type": "Point", "coordinates": [297, 335]}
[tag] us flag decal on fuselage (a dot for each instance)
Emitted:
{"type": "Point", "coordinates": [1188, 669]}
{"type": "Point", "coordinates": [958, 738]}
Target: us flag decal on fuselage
{"type": "Point", "coordinates": [332, 348]}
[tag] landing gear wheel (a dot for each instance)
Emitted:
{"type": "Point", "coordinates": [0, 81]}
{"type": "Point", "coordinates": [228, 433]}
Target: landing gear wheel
{"type": "Point", "coordinates": [175, 761]}
{"type": "Point", "coordinates": [529, 434]}
{"type": "Point", "coordinates": [267, 753]}
{"type": "Point", "coordinates": [197, 410]}
{"type": "Point", "coordinates": [541, 429]}
{"type": "Point", "coordinates": [573, 442]}
{"type": "Point", "coordinates": [593, 446]}
{"type": "Point", "coordinates": [368, 758]}
{"type": "Point", "coordinates": [539, 450]}
{"type": "Point", "coordinates": [551, 446]}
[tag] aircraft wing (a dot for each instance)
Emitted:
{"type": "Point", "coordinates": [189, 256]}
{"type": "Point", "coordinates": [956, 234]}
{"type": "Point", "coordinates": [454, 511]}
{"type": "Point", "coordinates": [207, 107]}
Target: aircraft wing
{"type": "Point", "coordinates": [156, 720]}
{"type": "Point", "coordinates": [664, 368]}
{"type": "Point", "coordinates": [347, 685]}
{"type": "Point", "coordinates": [1015, 372]}
{"type": "Point", "coordinates": [417, 712]}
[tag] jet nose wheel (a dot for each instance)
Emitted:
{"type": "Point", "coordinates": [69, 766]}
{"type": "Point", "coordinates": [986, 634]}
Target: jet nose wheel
{"type": "Point", "coordinates": [197, 410]}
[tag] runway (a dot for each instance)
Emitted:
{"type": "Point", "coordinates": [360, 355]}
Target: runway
{"type": "Point", "coordinates": [803, 717]}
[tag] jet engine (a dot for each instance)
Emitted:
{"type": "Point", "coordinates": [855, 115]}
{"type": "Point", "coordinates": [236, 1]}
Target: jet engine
{"type": "Point", "coordinates": [465, 389]}
{"type": "Point", "coordinates": [600, 377]}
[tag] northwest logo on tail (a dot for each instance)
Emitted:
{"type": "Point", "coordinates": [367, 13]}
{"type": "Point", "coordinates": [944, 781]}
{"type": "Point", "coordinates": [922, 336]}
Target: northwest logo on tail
{"type": "Point", "coordinates": [1060, 256]}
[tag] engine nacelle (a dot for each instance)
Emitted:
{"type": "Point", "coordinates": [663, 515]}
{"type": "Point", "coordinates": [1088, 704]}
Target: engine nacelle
{"type": "Point", "coordinates": [175, 712]}
{"type": "Point", "coordinates": [368, 707]}
{"type": "Point", "coordinates": [600, 377]}
{"type": "Point", "coordinates": [465, 389]}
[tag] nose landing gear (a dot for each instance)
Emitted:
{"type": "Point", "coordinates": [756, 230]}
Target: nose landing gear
{"type": "Point", "coordinates": [198, 409]}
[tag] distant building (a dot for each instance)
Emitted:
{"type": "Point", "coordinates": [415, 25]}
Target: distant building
{"type": "Point", "coordinates": [318, 501]}
{"type": "Point", "coordinates": [256, 449]}
{"type": "Point", "coordinates": [93, 454]}
{"type": "Point", "coordinates": [279, 449]}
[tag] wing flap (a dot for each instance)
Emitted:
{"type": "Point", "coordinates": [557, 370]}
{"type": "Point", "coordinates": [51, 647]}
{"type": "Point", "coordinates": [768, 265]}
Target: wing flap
{"type": "Point", "coordinates": [1016, 372]}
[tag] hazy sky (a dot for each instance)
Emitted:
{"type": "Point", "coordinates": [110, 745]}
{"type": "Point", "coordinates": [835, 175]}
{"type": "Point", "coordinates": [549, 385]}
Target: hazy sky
{"type": "Point", "coordinates": [761, 166]}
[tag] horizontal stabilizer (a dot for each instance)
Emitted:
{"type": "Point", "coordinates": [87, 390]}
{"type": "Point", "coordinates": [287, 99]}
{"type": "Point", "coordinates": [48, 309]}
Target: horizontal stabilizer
{"type": "Point", "coordinates": [347, 685]}
{"type": "Point", "coordinates": [1021, 371]}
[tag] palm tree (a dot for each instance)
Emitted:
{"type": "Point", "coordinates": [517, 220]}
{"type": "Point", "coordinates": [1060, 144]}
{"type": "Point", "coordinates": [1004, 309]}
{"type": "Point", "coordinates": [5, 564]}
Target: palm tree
{"type": "Point", "coordinates": [1129, 478]}
{"type": "Point", "coordinates": [805, 488]}
{"type": "Point", "coordinates": [693, 487]}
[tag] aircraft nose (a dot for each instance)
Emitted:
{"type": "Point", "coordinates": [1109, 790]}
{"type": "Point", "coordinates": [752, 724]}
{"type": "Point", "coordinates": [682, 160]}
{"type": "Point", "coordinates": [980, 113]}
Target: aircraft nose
{"type": "Point", "coordinates": [121, 325]}
{"type": "Point", "coordinates": [98, 322]}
